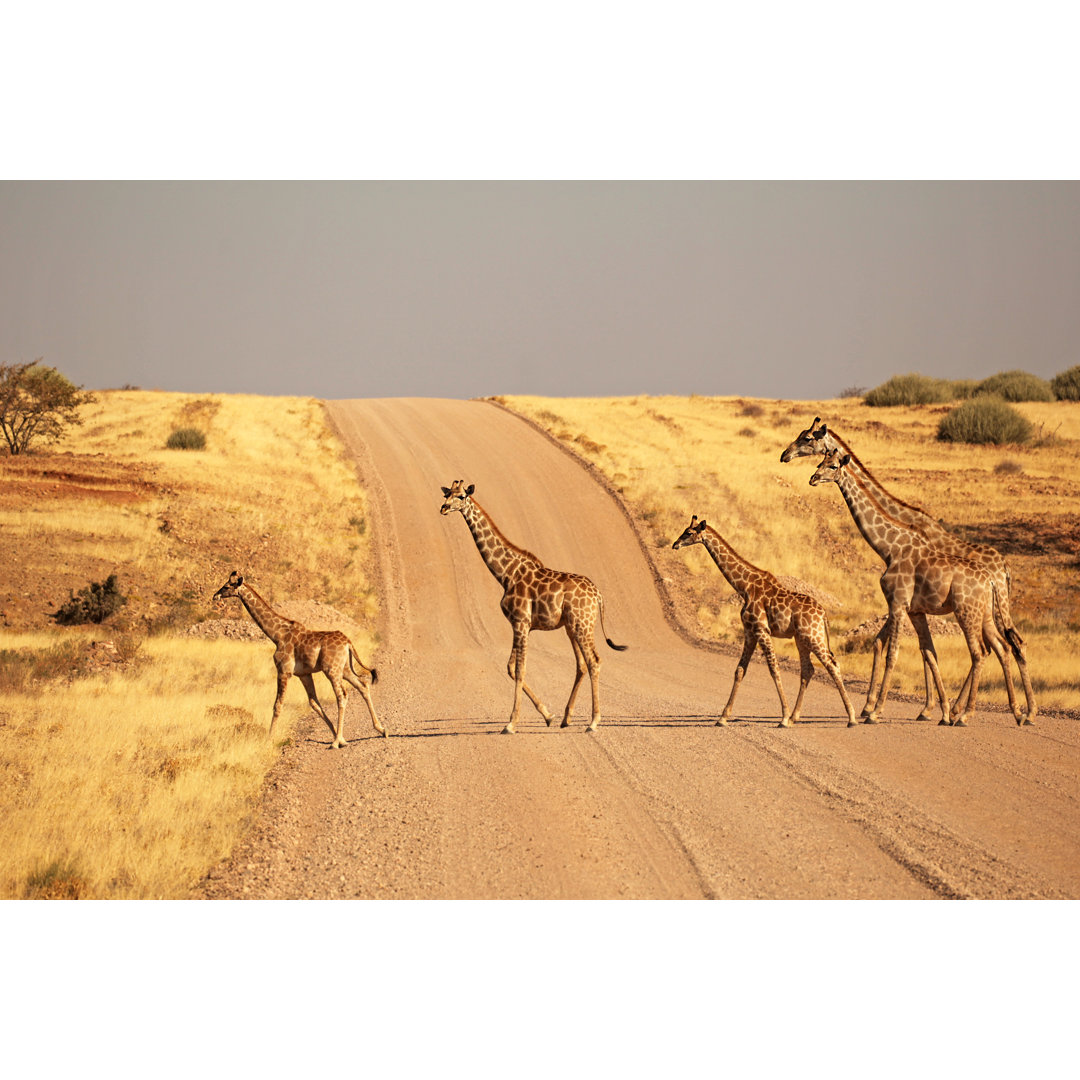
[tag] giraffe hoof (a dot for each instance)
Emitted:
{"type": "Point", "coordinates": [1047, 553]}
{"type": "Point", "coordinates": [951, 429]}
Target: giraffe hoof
{"type": "Point", "coordinates": [871, 719]}
{"type": "Point", "coordinates": [593, 726]}
{"type": "Point", "coordinates": [1027, 722]}
{"type": "Point", "coordinates": [508, 730]}
{"type": "Point", "coordinates": [786, 722]}
{"type": "Point", "coordinates": [853, 722]}
{"type": "Point", "coordinates": [943, 722]}
{"type": "Point", "coordinates": [565, 723]}
{"type": "Point", "coordinates": [959, 722]}
{"type": "Point", "coordinates": [923, 718]}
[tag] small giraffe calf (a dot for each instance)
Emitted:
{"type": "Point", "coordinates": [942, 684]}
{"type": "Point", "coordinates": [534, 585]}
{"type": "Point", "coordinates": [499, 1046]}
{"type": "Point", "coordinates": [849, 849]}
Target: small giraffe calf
{"type": "Point", "coordinates": [302, 652]}
{"type": "Point", "coordinates": [769, 610]}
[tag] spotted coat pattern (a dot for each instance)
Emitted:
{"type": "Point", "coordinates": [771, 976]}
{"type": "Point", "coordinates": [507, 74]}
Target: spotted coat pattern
{"type": "Point", "coordinates": [921, 580]}
{"type": "Point", "coordinates": [769, 610]}
{"type": "Point", "coordinates": [816, 441]}
{"type": "Point", "coordinates": [535, 598]}
{"type": "Point", "coordinates": [302, 652]}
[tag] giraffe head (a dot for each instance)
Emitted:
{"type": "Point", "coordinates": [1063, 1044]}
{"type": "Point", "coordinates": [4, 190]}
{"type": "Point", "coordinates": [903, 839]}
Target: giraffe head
{"type": "Point", "coordinates": [808, 442]}
{"type": "Point", "coordinates": [828, 472]}
{"type": "Point", "coordinates": [457, 497]}
{"type": "Point", "coordinates": [692, 534]}
{"type": "Point", "coordinates": [231, 587]}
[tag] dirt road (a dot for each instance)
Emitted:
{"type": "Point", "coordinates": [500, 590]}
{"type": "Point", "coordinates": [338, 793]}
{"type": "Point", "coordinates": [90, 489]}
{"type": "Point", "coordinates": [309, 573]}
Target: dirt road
{"type": "Point", "coordinates": [658, 803]}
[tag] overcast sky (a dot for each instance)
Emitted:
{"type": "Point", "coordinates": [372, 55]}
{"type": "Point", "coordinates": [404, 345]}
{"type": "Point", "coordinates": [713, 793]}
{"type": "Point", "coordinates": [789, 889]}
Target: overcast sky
{"type": "Point", "coordinates": [461, 289]}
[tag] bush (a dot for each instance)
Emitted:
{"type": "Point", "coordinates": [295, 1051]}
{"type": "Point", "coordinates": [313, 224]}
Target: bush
{"type": "Point", "coordinates": [984, 419]}
{"type": "Point", "coordinates": [94, 604]}
{"type": "Point", "coordinates": [186, 438]}
{"type": "Point", "coordinates": [917, 389]}
{"type": "Point", "coordinates": [1066, 386]}
{"type": "Point", "coordinates": [1016, 386]}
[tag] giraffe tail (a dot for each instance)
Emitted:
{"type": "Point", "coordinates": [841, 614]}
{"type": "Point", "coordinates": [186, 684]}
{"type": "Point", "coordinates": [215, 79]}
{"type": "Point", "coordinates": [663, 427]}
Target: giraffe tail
{"type": "Point", "coordinates": [611, 644]}
{"type": "Point", "coordinates": [1012, 635]}
{"type": "Point", "coordinates": [370, 671]}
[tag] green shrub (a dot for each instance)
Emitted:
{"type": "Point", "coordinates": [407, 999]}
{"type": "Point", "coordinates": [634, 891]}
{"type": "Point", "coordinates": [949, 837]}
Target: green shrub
{"type": "Point", "coordinates": [1066, 386]}
{"type": "Point", "coordinates": [93, 604]}
{"type": "Point", "coordinates": [915, 389]}
{"type": "Point", "coordinates": [186, 438]}
{"type": "Point", "coordinates": [984, 419]}
{"type": "Point", "coordinates": [1016, 386]}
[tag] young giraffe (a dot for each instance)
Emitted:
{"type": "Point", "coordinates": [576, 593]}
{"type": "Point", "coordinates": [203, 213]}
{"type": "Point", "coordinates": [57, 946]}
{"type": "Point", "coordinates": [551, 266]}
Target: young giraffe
{"type": "Point", "coordinates": [302, 652]}
{"type": "Point", "coordinates": [921, 580]}
{"type": "Point", "coordinates": [769, 610]}
{"type": "Point", "coordinates": [820, 440]}
{"type": "Point", "coordinates": [536, 598]}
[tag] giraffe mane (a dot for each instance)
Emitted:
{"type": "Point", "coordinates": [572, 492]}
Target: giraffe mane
{"type": "Point", "coordinates": [509, 543]}
{"type": "Point", "coordinates": [873, 479]}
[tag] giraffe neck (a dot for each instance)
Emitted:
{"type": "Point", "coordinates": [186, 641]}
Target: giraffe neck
{"type": "Point", "coordinates": [503, 559]}
{"type": "Point", "coordinates": [883, 533]}
{"type": "Point", "coordinates": [266, 618]}
{"type": "Point", "coordinates": [739, 573]}
{"type": "Point", "coordinates": [894, 507]}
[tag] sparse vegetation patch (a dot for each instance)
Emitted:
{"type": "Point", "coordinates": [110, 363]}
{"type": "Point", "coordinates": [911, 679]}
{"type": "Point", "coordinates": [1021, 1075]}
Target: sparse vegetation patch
{"type": "Point", "coordinates": [984, 420]}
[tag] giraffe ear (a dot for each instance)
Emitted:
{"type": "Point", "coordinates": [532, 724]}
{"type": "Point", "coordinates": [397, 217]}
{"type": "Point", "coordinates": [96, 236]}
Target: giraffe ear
{"type": "Point", "coordinates": [845, 459]}
{"type": "Point", "coordinates": [446, 491]}
{"type": "Point", "coordinates": [470, 489]}
{"type": "Point", "coordinates": [701, 525]}
{"type": "Point", "coordinates": [821, 431]}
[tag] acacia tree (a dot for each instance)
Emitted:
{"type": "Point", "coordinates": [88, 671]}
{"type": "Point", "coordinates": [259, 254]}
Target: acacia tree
{"type": "Point", "coordinates": [37, 402]}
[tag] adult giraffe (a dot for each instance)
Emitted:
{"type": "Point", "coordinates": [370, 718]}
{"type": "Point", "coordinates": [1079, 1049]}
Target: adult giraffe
{"type": "Point", "coordinates": [535, 598]}
{"type": "Point", "coordinates": [921, 580]}
{"type": "Point", "coordinates": [769, 610]}
{"type": "Point", "coordinates": [302, 652]}
{"type": "Point", "coordinates": [816, 441]}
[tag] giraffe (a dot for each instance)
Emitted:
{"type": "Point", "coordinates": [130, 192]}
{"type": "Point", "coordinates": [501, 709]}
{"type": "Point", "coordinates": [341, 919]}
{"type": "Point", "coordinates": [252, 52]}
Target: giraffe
{"type": "Point", "coordinates": [302, 652]}
{"type": "Point", "coordinates": [816, 440]}
{"type": "Point", "coordinates": [922, 580]}
{"type": "Point", "coordinates": [769, 610]}
{"type": "Point", "coordinates": [536, 598]}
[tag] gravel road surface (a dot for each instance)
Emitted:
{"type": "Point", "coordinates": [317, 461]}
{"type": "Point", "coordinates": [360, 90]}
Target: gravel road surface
{"type": "Point", "coordinates": [659, 802]}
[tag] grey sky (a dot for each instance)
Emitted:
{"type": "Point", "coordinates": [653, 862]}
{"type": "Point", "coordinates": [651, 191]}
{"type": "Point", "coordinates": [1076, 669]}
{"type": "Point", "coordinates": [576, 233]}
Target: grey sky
{"type": "Point", "coordinates": [780, 289]}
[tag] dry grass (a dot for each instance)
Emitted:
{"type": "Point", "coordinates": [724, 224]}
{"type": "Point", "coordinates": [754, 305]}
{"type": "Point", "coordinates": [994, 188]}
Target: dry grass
{"type": "Point", "coordinates": [672, 457]}
{"type": "Point", "coordinates": [131, 777]}
{"type": "Point", "coordinates": [132, 785]}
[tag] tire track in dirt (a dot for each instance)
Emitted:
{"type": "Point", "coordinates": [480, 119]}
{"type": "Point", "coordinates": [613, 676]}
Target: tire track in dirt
{"type": "Point", "coordinates": [658, 803]}
{"type": "Point", "coordinates": [952, 866]}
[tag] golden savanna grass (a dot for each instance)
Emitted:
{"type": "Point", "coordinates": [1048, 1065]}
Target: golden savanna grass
{"type": "Point", "coordinates": [719, 458]}
{"type": "Point", "coordinates": [130, 777]}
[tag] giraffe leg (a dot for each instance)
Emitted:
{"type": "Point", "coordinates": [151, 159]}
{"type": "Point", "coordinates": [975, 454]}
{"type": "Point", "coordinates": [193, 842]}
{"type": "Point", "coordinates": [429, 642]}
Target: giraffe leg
{"type": "Point", "coordinates": [806, 673]}
{"type": "Point", "coordinates": [873, 692]}
{"type": "Point", "coordinates": [342, 695]}
{"type": "Point", "coordinates": [930, 664]}
{"type": "Point", "coordinates": [541, 708]}
{"type": "Point", "coordinates": [893, 626]}
{"type": "Point", "coordinates": [765, 641]}
{"type": "Point", "coordinates": [828, 662]}
{"type": "Point", "coordinates": [740, 670]}
{"type": "Point", "coordinates": [282, 683]}
{"type": "Point", "coordinates": [365, 693]}
{"type": "Point", "coordinates": [579, 660]}
{"type": "Point", "coordinates": [316, 705]}
{"type": "Point", "coordinates": [521, 645]}
{"type": "Point", "coordinates": [592, 659]}
{"type": "Point", "coordinates": [978, 656]}
{"type": "Point", "coordinates": [992, 640]}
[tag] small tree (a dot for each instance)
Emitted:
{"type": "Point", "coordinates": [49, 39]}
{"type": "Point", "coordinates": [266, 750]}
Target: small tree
{"type": "Point", "coordinates": [37, 402]}
{"type": "Point", "coordinates": [94, 604]}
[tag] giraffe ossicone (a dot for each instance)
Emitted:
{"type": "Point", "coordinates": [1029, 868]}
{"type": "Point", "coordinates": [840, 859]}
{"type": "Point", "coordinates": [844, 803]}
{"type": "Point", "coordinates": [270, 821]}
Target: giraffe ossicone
{"type": "Point", "coordinates": [536, 598]}
{"type": "Point", "coordinates": [302, 652]}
